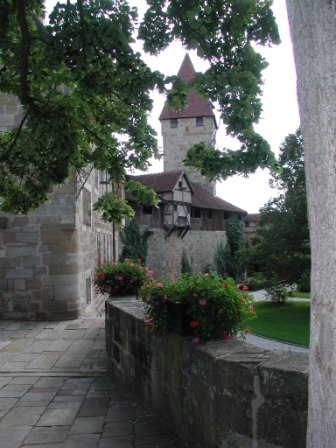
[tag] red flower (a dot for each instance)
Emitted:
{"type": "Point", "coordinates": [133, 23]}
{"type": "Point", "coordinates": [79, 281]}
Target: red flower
{"type": "Point", "coordinates": [245, 288]}
{"type": "Point", "coordinates": [194, 324]}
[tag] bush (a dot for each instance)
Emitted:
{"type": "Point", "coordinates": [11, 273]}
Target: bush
{"type": "Point", "coordinates": [217, 308]}
{"type": "Point", "coordinates": [185, 263]}
{"type": "Point", "coordinates": [121, 278]}
{"type": "Point", "coordinates": [278, 293]}
{"type": "Point", "coordinates": [258, 281]}
{"type": "Point", "coordinates": [135, 243]}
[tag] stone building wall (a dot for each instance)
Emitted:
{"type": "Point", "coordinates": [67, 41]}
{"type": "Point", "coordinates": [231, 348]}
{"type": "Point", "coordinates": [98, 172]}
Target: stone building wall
{"type": "Point", "coordinates": [164, 254]}
{"type": "Point", "coordinates": [177, 141]}
{"type": "Point", "coordinates": [48, 258]}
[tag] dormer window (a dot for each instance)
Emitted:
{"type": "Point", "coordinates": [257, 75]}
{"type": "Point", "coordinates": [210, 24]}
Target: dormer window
{"type": "Point", "coordinates": [199, 121]}
{"type": "Point", "coordinates": [173, 123]}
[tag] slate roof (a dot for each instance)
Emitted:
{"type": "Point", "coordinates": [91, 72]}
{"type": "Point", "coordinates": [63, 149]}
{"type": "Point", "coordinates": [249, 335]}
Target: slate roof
{"type": "Point", "coordinates": [160, 182]}
{"type": "Point", "coordinates": [197, 105]}
{"type": "Point", "coordinates": [163, 182]}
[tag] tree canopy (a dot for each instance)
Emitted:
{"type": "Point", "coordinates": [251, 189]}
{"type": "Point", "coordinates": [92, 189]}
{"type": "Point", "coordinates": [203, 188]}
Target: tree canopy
{"type": "Point", "coordinates": [85, 91]}
{"type": "Point", "coordinates": [282, 249]}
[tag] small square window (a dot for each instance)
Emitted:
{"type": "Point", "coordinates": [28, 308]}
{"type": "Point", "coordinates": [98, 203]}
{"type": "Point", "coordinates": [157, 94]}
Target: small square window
{"type": "Point", "coordinates": [147, 210]}
{"type": "Point", "coordinates": [199, 121]}
{"type": "Point", "coordinates": [173, 123]}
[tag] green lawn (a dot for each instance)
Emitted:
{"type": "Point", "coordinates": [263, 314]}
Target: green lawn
{"type": "Point", "coordinates": [300, 294]}
{"type": "Point", "coordinates": [287, 322]}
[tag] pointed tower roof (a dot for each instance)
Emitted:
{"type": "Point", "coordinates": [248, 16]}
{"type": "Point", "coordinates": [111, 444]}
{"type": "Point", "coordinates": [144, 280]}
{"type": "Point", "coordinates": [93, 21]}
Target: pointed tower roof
{"type": "Point", "coordinates": [197, 105]}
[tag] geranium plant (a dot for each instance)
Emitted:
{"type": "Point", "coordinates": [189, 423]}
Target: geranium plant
{"type": "Point", "coordinates": [216, 307]}
{"type": "Point", "coordinates": [121, 278]}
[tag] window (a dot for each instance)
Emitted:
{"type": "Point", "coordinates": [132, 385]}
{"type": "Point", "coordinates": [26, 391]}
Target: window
{"type": "Point", "coordinates": [195, 212]}
{"type": "Point", "coordinates": [199, 121]}
{"type": "Point", "coordinates": [147, 210]}
{"type": "Point", "coordinates": [173, 123]}
{"type": "Point", "coordinates": [209, 214]}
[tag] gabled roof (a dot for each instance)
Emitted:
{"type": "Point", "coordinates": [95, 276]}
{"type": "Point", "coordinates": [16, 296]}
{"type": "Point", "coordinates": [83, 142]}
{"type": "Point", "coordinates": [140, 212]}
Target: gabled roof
{"type": "Point", "coordinates": [197, 105]}
{"type": "Point", "coordinates": [163, 182]}
{"type": "Point", "coordinates": [160, 182]}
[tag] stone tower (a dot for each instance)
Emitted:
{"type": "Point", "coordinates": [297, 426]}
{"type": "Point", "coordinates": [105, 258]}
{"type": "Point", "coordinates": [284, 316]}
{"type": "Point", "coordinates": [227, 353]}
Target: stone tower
{"type": "Point", "coordinates": [180, 130]}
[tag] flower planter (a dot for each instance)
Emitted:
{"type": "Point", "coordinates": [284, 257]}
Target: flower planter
{"type": "Point", "coordinates": [178, 319]}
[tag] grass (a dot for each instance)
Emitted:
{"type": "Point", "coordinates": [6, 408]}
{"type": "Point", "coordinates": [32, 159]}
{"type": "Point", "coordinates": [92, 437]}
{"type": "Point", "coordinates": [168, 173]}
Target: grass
{"type": "Point", "coordinates": [288, 322]}
{"type": "Point", "coordinates": [300, 295]}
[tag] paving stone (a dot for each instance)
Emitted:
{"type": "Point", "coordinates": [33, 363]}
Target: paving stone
{"type": "Point", "coordinates": [22, 416]}
{"type": "Point", "coordinates": [13, 437]}
{"type": "Point", "coordinates": [57, 346]}
{"type": "Point", "coordinates": [48, 445]}
{"type": "Point", "coordinates": [61, 416]}
{"type": "Point", "coordinates": [47, 435]}
{"type": "Point", "coordinates": [14, 390]}
{"type": "Point", "coordinates": [117, 429]}
{"type": "Point", "coordinates": [94, 407]}
{"type": "Point", "coordinates": [43, 362]}
{"type": "Point", "coordinates": [82, 441]}
{"type": "Point", "coordinates": [23, 380]}
{"type": "Point", "coordinates": [116, 442]}
{"type": "Point", "coordinates": [91, 425]}
{"type": "Point", "coordinates": [36, 399]}
{"type": "Point", "coordinates": [70, 361]}
{"type": "Point", "coordinates": [50, 381]}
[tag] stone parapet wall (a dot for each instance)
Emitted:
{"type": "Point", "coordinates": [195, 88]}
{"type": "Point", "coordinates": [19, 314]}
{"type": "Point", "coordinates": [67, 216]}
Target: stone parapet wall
{"type": "Point", "coordinates": [214, 395]}
{"type": "Point", "coordinates": [164, 254]}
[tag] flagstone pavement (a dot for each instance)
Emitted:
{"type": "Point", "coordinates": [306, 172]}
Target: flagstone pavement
{"type": "Point", "coordinates": [54, 392]}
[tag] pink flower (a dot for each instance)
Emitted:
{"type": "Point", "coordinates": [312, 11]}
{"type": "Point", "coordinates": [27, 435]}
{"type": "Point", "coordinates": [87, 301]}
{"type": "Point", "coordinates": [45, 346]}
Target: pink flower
{"type": "Point", "coordinates": [251, 309]}
{"type": "Point", "coordinates": [207, 274]}
{"type": "Point", "coordinates": [148, 321]}
{"type": "Point", "coordinates": [159, 285]}
{"type": "Point", "coordinates": [195, 340]}
{"type": "Point", "coordinates": [119, 277]}
{"type": "Point", "coordinates": [245, 288]}
{"type": "Point", "coordinates": [202, 302]}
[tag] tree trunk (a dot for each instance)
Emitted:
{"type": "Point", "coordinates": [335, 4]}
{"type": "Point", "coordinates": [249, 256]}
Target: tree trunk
{"type": "Point", "coordinates": [313, 29]}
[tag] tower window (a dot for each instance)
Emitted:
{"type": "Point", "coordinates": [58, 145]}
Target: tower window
{"type": "Point", "coordinates": [199, 121]}
{"type": "Point", "coordinates": [173, 123]}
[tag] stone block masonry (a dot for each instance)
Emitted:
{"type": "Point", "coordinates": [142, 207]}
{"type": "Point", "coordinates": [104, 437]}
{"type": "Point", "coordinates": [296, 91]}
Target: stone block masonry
{"type": "Point", "coordinates": [214, 395]}
{"type": "Point", "coordinates": [199, 245]}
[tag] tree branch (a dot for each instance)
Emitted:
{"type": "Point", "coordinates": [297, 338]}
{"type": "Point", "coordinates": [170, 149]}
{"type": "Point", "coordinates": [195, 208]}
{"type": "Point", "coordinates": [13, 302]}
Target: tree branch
{"type": "Point", "coordinates": [24, 53]}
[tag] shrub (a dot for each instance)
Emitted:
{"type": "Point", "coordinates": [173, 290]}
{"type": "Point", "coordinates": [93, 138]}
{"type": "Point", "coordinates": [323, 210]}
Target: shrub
{"type": "Point", "coordinates": [278, 293]}
{"type": "Point", "coordinates": [216, 307]}
{"type": "Point", "coordinates": [258, 281]}
{"type": "Point", "coordinates": [121, 278]}
{"type": "Point", "coordinates": [185, 263]}
{"type": "Point", "coordinates": [135, 243]}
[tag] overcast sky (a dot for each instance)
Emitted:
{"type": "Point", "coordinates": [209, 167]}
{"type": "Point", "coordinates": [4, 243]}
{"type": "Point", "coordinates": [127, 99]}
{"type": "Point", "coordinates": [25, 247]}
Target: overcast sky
{"type": "Point", "coordinates": [280, 112]}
